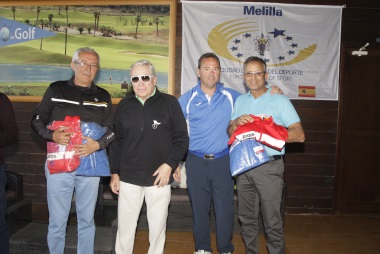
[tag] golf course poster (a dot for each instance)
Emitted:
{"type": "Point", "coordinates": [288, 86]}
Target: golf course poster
{"type": "Point", "coordinates": [38, 39]}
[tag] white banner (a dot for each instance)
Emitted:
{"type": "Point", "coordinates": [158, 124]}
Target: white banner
{"type": "Point", "coordinates": [300, 43]}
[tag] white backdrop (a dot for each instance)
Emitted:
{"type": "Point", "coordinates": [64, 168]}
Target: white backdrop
{"type": "Point", "coordinates": [300, 43]}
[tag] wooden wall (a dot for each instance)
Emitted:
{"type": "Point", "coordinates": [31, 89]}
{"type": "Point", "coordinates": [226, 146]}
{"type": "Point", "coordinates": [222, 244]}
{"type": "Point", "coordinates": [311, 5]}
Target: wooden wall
{"type": "Point", "coordinates": [310, 168]}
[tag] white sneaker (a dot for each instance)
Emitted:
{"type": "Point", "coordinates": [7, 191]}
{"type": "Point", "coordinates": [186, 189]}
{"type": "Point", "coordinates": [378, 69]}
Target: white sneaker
{"type": "Point", "coordinates": [202, 252]}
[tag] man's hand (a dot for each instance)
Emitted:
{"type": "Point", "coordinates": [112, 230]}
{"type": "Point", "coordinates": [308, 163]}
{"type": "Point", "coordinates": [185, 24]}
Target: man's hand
{"type": "Point", "coordinates": [115, 183]}
{"type": "Point", "coordinates": [243, 119]}
{"type": "Point", "coordinates": [88, 148]}
{"type": "Point", "coordinates": [276, 90]}
{"type": "Point", "coordinates": [62, 137]}
{"type": "Point", "coordinates": [163, 175]}
{"type": "Point", "coordinates": [177, 174]}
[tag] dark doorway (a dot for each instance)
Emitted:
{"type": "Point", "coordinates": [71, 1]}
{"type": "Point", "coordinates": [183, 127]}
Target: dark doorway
{"type": "Point", "coordinates": [358, 165]}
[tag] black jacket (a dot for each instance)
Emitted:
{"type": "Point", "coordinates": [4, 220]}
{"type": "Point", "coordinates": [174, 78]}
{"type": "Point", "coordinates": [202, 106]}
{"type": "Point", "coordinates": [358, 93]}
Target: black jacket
{"type": "Point", "coordinates": [8, 126]}
{"type": "Point", "coordinates": [146, 137]}
{"type": "Point", "coordinates": [64, 98]}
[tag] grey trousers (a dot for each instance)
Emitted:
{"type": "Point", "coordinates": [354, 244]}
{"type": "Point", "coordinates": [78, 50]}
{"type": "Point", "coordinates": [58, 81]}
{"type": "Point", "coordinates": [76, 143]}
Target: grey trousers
{"type": "Point", "coordinates": [261, 189]}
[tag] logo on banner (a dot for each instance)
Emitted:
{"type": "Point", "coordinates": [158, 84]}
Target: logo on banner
{"type": "Point", "coordinates": [237, 39]}
{"type": "Point", "coordinates": [12, 32]}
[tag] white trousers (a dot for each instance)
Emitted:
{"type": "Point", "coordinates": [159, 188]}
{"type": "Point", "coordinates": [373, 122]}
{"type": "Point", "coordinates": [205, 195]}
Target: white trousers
{"type": "Point", "coordinates": [131, 198]}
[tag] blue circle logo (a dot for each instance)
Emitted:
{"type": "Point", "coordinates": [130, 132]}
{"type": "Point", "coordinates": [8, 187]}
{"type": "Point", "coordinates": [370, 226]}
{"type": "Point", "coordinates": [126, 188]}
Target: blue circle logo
{"type": "Point", "coordinates": [4, 33]}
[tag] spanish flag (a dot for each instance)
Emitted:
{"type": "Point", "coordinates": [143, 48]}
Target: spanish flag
{"type": "Point", "coordinates": [306, 91]}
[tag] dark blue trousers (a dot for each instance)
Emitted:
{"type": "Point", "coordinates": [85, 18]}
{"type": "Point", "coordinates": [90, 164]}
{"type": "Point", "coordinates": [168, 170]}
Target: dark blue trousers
{"type": "Point", "coordinates": [210, 180]}
{"type": "Point", "coordinates": [4, 237]}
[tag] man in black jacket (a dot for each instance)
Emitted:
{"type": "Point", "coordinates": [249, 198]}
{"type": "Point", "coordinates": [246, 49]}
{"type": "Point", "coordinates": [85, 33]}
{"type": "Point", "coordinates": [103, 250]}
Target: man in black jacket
{"type": "Point", "coordinates": [78, 96]}
{"type": "Point", "coordinates": [151, 140]}
{"type": "Point", "coordinates": [8, 136]}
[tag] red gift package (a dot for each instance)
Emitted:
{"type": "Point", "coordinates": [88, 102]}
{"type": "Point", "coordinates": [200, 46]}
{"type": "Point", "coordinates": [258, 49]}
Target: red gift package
{"type": "Point", "coordinates": [264, 130]}
{"type": "Point", "coordinates": [62, 158]}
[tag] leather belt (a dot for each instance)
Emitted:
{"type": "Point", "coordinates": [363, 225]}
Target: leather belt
{"type": "Point", "coordinates": [275, 157]}
{"type": "Point", "coordinates": [210, 156]}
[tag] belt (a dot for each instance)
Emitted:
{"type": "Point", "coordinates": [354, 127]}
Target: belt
{"type": "Point", "coordinates": [275, 157]}
{"type": "Point", "coordinates": [211, 156]}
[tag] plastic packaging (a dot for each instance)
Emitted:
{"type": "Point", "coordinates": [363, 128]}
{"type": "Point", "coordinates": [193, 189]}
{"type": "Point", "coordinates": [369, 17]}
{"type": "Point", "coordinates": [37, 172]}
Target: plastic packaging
{"type": "Point", "coordinates": [245, 155]}
{"type": "Point", "coordinates": [95, 164]}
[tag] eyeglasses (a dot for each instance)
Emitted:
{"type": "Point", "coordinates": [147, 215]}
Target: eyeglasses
{"type": "Point", "coordinates": [256, 74]}
{"type": "Point", "coordinates": [84, 65]}
{"type": "Point", "coordinates": [143, 78]}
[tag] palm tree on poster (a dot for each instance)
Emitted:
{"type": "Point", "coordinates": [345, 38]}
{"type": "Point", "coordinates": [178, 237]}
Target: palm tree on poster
{"type": "Point", "coordinates": [138, 20]}
{"type": "Point", "coordinates": [67, 15]}
{"type": "Point", "coordinates": [96, 25]}
{"type": "Point", "coordinates": [157, 22]}
{"type": "Point", "coordinates": [97, 20]}
{"type": "Point", "coordinates": [14, 12]}
{"type": "Point", "coordinates": [95, 15]}
{"type": "Point", "coordinates": [67, 25]}
{"type": "Point", "coordinates": [38, 14]}
{"type": "Point", "coordinates": [50, 17]}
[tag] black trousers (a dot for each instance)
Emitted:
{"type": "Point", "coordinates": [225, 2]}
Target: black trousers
{"type": "Point", "coordinates": [4, 235]}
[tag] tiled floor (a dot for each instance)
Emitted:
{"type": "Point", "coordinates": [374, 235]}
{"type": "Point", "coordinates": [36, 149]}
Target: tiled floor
{"type": "Point", "coordinates": [304, 234]}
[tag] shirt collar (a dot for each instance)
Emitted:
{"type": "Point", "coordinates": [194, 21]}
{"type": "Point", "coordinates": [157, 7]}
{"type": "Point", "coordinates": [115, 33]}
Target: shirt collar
{"type": "Point", "coordinates": [82, 88]}
{"type": "Point", "coordinates": [263, 95]}
{"type": "Point", "coordinates": [217, 90]}
{"type": "Point", "coordinates": [141, 100]}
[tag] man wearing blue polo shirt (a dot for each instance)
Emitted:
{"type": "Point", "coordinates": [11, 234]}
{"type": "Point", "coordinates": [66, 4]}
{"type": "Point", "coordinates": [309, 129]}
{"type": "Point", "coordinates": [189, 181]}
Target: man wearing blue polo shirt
{"type": "Point", "coordinates": [207, 108]}
{"type": "Point", "coordinates": [261, 188]}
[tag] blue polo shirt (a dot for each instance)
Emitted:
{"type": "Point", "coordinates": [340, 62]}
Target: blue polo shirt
{"type": "Point", "coordinates": [208, 117]}
{"type": "Point", "coordinates": [276, 105]}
